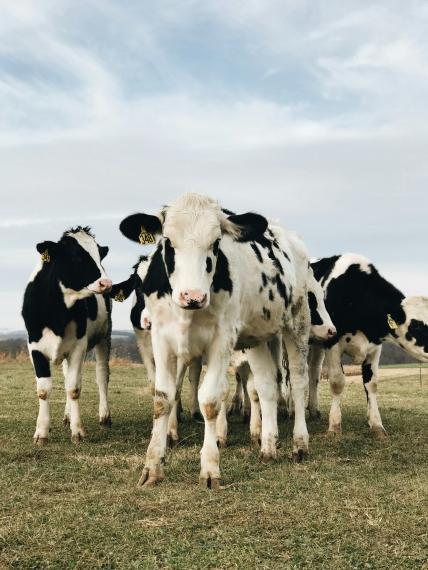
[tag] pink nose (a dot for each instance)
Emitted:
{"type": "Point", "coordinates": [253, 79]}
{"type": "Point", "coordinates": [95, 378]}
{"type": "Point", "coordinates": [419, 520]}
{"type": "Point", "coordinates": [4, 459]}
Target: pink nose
{"type": "Point", "coordinates": [105, 284]}
{"type": "Point", "coordinates": [192, 299]}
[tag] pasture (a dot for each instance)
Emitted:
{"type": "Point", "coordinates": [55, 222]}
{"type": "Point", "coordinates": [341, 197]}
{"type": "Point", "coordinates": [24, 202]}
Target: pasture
{"type": "Point", "coordinates": [356, 503]}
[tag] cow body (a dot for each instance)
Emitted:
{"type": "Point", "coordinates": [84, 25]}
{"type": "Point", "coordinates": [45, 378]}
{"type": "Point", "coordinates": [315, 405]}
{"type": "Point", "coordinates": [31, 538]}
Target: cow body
{"type": "Point", "coordinates": [217, 282]}
{"type": "Point", "coordinates": [66, 312]}
{"type": "Point", "coordinates": [366, 310]}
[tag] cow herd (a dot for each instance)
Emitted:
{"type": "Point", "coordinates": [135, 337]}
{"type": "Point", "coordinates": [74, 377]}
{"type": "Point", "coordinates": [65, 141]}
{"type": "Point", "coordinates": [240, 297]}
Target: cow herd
{"type": "Point", "coordinates": [218, 288]}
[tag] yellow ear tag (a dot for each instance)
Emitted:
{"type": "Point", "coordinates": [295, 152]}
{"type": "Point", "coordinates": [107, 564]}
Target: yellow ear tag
{"type": "Point", "coordinates": [391, 323]}
{"type": "Point", "coordinates": [145, 237]}
{"type": "Point", "coordinates": [45, 256]}
{"type": "Point", "coordinates": [120, 297]}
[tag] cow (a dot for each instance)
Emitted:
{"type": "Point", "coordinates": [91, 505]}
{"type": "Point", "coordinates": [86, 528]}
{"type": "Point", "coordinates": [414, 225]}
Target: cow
{"type": "Point", "coordinates": [367, 310]}
{"type": "Point", "coordinates": [67, 311]}
{"type": "Point", "coordinates": [245, 401]}
{"type": "Point", "coordinates": [219, 281]}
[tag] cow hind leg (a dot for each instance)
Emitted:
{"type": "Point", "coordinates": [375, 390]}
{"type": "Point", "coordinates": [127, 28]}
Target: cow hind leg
{"type": "Point", "coordinates": [102, 355]}
{"type": "Point", "coordinates": [195, 369]}
{"type": "Point", "coordinates": [255, 412]}
{"type": "Point", "coordinates": [264, 370]}
{"type": "Point", "coordinates": [337, 384]}
{"type": "Point", "coordinates": [67, 412]}
{"type": "Point", "coordinates": [172, 431]}
{"type": "Point", "coordinates": [369, 372]}
{"type": "Point", "coordinates": [44, 389]}
{"type": "Point", "coordinates": [316, 358]}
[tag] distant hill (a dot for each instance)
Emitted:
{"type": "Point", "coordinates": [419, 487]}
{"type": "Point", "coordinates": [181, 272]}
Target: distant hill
{"type": "Point", "coordinates": [13, 345]}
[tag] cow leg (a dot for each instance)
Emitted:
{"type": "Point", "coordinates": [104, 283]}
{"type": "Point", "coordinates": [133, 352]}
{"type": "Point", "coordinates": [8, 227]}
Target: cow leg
{"type": "Point", "coordinates": [165, 392]}
{"type": "Point", "coordinates": [316, 359]}
{"type": "Point", "coordinates": [172, 432]}
{"type": "Point", "coordinates": [73, 383]}
{"type": "Point", "coordinates": [66, 419]}
{"type": "Point", "coordinates": [144, 343]}
{"type": "Point", "coordinates": [246, 410]}
{"type": "Point", "coordinates": [255, 413]}
{"type": "Point", "coordinates": [44, 389]}
{"type": "Point", "coordinates": [336, 377]}
{"type": "Point", "coordinates": [264, 370]}
{"type": "Point", "coordinates": [236, 404]}
{"type": "Point", "coordinates": [102, 371]}
{"type": "Point", "coordinates": [370, 369]}
{"type": "Point", "coordinates": [212, 395]}
{"type": "Point", "coordinates": [195, 369]}
{"type": "Point", "coordinates": [221, 425]}
{"type": "Point", "coordinates": [297, 352]}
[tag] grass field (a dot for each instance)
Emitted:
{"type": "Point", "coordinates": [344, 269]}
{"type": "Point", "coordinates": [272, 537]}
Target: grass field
{"type": "Point", "coordinates": [356, 503]}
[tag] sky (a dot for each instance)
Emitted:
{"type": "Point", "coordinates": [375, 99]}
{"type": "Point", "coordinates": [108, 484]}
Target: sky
{"type": "Point", "coordinates": [314, 113]}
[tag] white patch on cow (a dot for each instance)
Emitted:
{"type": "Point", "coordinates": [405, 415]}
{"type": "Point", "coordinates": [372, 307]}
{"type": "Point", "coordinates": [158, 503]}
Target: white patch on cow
{"type": "Point", "coordinates": [89, 244]}
{"type": "Point", "coordinates": [71, 296]}
{"type": "Point", "coordinates": [415, 308]}
{"type": "Point", "coordinates": [344, 262]}
{"type": "Point", "coordinates": [327, 329]}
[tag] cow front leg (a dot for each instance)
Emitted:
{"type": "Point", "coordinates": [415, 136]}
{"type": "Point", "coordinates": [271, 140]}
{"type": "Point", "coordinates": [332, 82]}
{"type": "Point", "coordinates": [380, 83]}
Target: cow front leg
{"type": "Point", "coordinates": [44, 389]}
{"type": "Point", "coordinates": [337, 381]}
{"type": "Point", "coordinates": [212, 395]}
{"type": "Point", "coordinates": [102, 371]}
{"type": "Point", "coordinates": [264, 371]}
{"type": "Point", "coordinates": [297, 352]}
{"type": "Point", "coordinates": [164, 397]}
{"type": "Point", "coordinates": [195, 369]}
{"type": "Point", "coordinates": [316, 359]}
{"type": "Point", "coordinates": [172, 431]}
{"type": "Point", "coordinates": [66, 419]}
{"type": "Point", "coordinates": [370, 369]}
{"type": "Point", "coordinates": [255, 412]}
{"type": "Point", "coordinates": [73, 383]}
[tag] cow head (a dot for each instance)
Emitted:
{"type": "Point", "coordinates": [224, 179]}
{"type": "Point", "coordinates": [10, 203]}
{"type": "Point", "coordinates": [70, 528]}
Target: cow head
{"type": "Point", "coordinates": [322, 327]}
{"type": "Point", "coordinates": [191, 230]}
{"type": "Point", "coordinates": [77, 261]}
{"type": "Point", "coordinates": [412, 335]}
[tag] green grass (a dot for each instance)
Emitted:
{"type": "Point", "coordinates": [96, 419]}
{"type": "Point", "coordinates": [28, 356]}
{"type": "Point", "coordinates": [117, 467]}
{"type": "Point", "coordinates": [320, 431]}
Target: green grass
{"type": "Point", "coordinates": [356, 503]}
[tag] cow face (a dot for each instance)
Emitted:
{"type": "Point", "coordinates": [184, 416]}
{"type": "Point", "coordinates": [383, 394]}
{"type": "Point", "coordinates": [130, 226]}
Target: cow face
{"type": "Point", "coordinates": [413, 334]}
{"type": "Point", "coordinates": [322, 327]}
{"type": "Point", "coordinates": [191, 231]}
{"type": "Point", "coordinates": [77, 261]}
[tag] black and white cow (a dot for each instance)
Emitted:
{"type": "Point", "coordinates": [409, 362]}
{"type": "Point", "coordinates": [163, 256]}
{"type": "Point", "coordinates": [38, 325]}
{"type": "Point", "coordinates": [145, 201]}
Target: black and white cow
{"type": "Point", "coordinates": [67, 311]}
{"type": "Point", "coordinates": [366, 310]}
{"type": "Point", "coordinates": [219, 281]}
{"type": "Point", "coordinates": [245, 401]}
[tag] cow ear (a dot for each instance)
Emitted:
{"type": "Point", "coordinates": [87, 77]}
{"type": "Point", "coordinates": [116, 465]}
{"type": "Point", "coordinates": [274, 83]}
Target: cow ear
{"type": "Point", "coordinates": [141, 227]}
{"type": "Point", "coordinates": [48, 249]}
{"type": "Point", "coordinates": [247, 227]}
{"type": "Point", "coordinates": [103, 249]}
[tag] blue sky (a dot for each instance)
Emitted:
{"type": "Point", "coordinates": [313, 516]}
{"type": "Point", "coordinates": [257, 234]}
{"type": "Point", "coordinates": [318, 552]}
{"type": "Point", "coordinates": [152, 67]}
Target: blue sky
{"type": "Point", "coordinates": [310, 112]}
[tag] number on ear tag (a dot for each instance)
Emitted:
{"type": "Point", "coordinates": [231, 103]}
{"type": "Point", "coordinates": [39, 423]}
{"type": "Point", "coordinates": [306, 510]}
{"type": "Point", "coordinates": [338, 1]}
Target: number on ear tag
{"type": "Point", "coordinates": [146, 237]}
{"type": "Point", "coordinates": [120, 297]}
{"type": "Point", "coordinates": [45, 256]}
{"type": "Point", "coordinates": [391, 323]}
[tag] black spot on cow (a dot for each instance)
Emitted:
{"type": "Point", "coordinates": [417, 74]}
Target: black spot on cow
{"type": "Point", "coordinates": [271, 295]}
{"type": "Point", "coordinates": [41, 364]}
{"type": "Point", "coordinates": [313, 306]}
{"type": "Point", "coordinates": [359, 301]}
{"type": "Point", "coordinates": [367, 372]}
{"type": "Point", "coordinates": [266, 314]}
{"type": "Point", "coordinates": [216, 247]}
{"type": "Point", "coordinates": [221, 279]}
{"type": "Point", "coordinates": [92, 307]}
{"type": "Point", "coordinates": [348, 339]}
{"type": "Point", "coordinates": [209, 263]}
{"type": "Point", "coordinates": [418, 331]}
{"type": "Point", "coordinates": [169, 253]}
{"type": "Point", "coordinates": [138, 308]}
{"type": "Point", "coordinates": [282, 289]}
{"type": "Point", "coordinates": [156, 279]}
{"type": "Point", "coordinates": [256, 251]}
{"type": "Point", "coordinates": [323, 267]}
{"type": "Point", "coordinates": [264, 279]}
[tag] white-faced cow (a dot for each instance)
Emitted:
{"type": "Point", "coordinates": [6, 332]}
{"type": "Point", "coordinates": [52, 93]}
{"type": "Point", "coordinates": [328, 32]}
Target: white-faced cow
{"type": "Point", "coordinates": [215, 282]}
{"type": "Point", "coordinates": [366, 310]}
{"type": "Point", "coordinates": [66, 311]}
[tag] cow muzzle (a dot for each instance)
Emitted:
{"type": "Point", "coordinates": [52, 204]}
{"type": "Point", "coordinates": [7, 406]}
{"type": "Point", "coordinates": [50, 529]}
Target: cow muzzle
{"type": "Point", "coordinates": [192, 299]}
{"type": "Point", "coordinates": [323, 332]}
{"type": "Point", "coordinates": [101, 286]}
